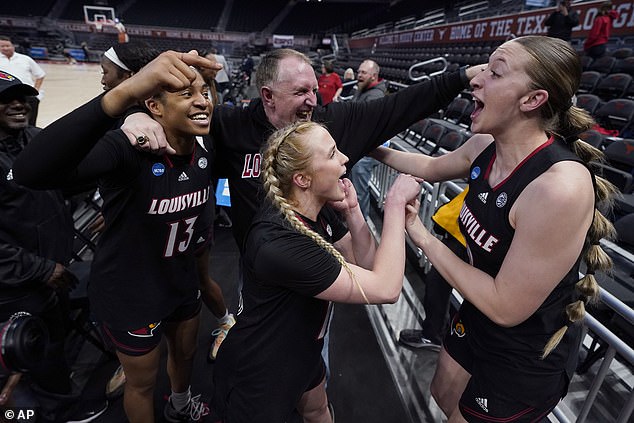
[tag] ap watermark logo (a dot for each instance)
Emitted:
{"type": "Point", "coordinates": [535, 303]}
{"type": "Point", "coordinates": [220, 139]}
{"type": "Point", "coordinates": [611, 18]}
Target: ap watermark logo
{"type": "Point", "coordinates": [18, 414]}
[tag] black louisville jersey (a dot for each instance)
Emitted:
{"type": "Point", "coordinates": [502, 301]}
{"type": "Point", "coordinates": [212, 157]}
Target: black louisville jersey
{"type": "Point", "coordinates": [158, 212]}
{"type": "Point", "coordinates": [273, 350]}
{"type": "Point", "coordinates": [484, 221]}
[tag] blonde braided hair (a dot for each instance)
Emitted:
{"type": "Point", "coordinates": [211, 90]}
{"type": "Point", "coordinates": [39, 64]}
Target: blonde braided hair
{"type": "Point", "coordinates": [286, 154]}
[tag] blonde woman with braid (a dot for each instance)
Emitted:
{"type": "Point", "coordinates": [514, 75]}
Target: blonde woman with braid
{"type": "Point", "coordinates": [529, 218]}
{"type": "Point", "coordinates": [298, 258]}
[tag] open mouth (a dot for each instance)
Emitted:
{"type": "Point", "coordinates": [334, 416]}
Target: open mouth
{"type": "Point", "coordinates": [304, 115]}
{"type": "Point", "coordinates": [478, 106]}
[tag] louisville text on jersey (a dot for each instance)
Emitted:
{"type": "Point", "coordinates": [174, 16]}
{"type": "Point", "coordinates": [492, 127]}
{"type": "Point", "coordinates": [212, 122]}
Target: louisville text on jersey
{"type": "Point", "coordinates": [477, 233]}
{"type": "Point", "coordinates": [180, 202]}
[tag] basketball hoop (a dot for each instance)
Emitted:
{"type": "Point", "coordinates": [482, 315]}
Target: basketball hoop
{"type": "Point", "coordinates": [98, 26]}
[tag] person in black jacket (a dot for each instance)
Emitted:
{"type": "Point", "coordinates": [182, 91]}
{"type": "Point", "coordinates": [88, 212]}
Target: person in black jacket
{"type": "Point", "coordinates": [562, 20]}
{"type": "Point", "coordinates": [145, 275]}
{"type": "Point", "coordinates": [35, 248]}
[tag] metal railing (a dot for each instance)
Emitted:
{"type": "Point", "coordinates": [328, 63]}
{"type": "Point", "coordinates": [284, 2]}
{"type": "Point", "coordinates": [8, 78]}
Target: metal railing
{"type": "Point", "coordinates": [426, 62]}
{"type": "Point", "coordinates": [433, 196]}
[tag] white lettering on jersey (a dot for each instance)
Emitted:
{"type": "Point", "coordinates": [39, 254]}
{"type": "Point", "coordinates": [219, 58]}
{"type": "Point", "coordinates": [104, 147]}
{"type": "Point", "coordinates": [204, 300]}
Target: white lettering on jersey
{"type": "Point", "coordinates": [179, 203]}
{"type": "Point", "coordinates": [251, 168]}
{"type": "Point", "coordinates": [477, 233]}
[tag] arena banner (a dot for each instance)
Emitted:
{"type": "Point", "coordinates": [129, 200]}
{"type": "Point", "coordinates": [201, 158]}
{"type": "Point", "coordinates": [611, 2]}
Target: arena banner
{"type": "Point", "coordinates": [280, 41]}
{"type": "Point", "coordinates": [500, 28]}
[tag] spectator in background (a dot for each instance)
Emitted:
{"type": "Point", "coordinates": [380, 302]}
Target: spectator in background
{"type": "Point", "coordinates": [25, 69]}
{"type": "Point", "coordinates": [36, 238]}
{"type": "Point", "coordinates": [247, 67]}
{"type": "Point", "coordinates": [122, 35]}
{"type": "Point", "coordinates": [561, 21]}
{"type": "Point", "coordinates": [348, 90]}
{"type": "Point", "coordinates": [329, 83]}
{"type": "Point", "coordinates": [369, 87]}
{"type": "Point", "coordinates": [595, 45]}
{"type": "Point", "coordinates": [222, 76]}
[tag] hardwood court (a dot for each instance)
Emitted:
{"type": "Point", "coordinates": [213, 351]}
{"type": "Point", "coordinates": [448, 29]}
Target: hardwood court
{"type": "Point", "coordinates": [66, 87]}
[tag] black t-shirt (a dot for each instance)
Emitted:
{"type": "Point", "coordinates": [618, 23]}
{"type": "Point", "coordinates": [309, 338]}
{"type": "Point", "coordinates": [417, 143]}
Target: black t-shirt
{"type": "Point", "coordinates": [509, 357]}
{"type": "Point", "coordinates": [265, 364]}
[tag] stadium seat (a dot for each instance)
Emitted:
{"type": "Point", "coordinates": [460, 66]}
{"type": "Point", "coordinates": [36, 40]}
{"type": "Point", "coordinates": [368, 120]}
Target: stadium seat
{"type": "Point", "coordinates": [589, 81]}
{"type": "Point", "coordinates": [589, 102]}
{"type": "Point", "coordinates": [625, 65]}
{"type": "Point", "coordinates": [621, 180]}
{"type": "Point", "coordinates": [414, 134]}
{"type": "Point", "coordinates": [622, 53]}
{"type": "Point", "coordinates": [613, 86]}
{"type": "Point", "coordinates": [594, 138]}
{"type": "Point", "coordinates": [456, 110]}
{"type": "Point", "coordinates": [603, 64]}
{"type": "Point", "coordinates": [620, 154]}
{"type": "Point", "coordinates": [585, 62]}
{"type": "Point", "coordinates": [616, 114]}
{"type": "Point", "coordinates": [432, 135]}
{"type": "Point", "coordinates": [449, 142]}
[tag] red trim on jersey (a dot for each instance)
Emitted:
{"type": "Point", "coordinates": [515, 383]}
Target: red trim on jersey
{"type": "Point", "coordinates": [537, 150]}
{"type": "Point", "coordinates": [191, 160]}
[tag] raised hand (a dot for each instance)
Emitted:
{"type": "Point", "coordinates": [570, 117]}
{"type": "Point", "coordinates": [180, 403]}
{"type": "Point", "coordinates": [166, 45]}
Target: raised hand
{"type": "Point", "coordinates": [170, 71]}
{"type": "Point", "coordinates": [404, 190]}
{"type": "Point", "coordinates": [350, 201]}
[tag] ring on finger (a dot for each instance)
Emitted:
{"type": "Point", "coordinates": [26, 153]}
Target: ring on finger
{"type": "Point", "coordinates": [142, 139]}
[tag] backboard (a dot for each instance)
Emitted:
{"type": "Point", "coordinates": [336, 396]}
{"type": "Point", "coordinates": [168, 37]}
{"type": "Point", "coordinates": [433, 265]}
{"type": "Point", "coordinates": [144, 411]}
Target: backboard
{"type": "Point", "coordinates": [98, 16]}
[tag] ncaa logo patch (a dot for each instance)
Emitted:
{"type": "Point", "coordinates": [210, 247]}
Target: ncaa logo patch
{"type": "Point", "coordinates": [501, 200]}
{"type": "Point", "coordinates": [475, 172]}
{"type": "Point", "coordinates": [329, 229]}
{"type": "Point", "coordinates": [202, 162]}
{"type": "Point", "coordinates": [158, 169]}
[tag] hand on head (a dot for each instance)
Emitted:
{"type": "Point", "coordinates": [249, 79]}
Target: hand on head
{"type": "Point", "coordinates": [170, 71]}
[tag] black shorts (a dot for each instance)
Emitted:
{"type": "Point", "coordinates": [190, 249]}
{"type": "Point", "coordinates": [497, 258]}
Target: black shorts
{"type": "Point", "coordinates": [481, 401]}
{"type": "Point", "coordinates": [142, 340]}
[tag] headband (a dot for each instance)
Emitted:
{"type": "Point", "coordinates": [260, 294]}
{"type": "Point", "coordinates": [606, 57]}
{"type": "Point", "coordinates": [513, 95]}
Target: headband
{"type": "Point", "coordinates": [112, 56]}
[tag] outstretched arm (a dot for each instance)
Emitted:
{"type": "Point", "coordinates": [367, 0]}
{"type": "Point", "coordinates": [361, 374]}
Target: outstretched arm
{"type": "Point", "coordinates": [452, 165]}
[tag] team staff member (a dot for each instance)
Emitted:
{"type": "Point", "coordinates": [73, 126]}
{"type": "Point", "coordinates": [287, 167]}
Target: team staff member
{"type": "Point", "coordinates": [287, 85]}
{"type": "Point", "coordinates": [36, 239]}
{"type": "Point", "coordinates": [270, 362]}
{"type": "Point", "coordinates": [528, 218]}
{"type": "Point", "coordinates": [144, 280]}
{"type": "Point", "coordinates": [25, 69]}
